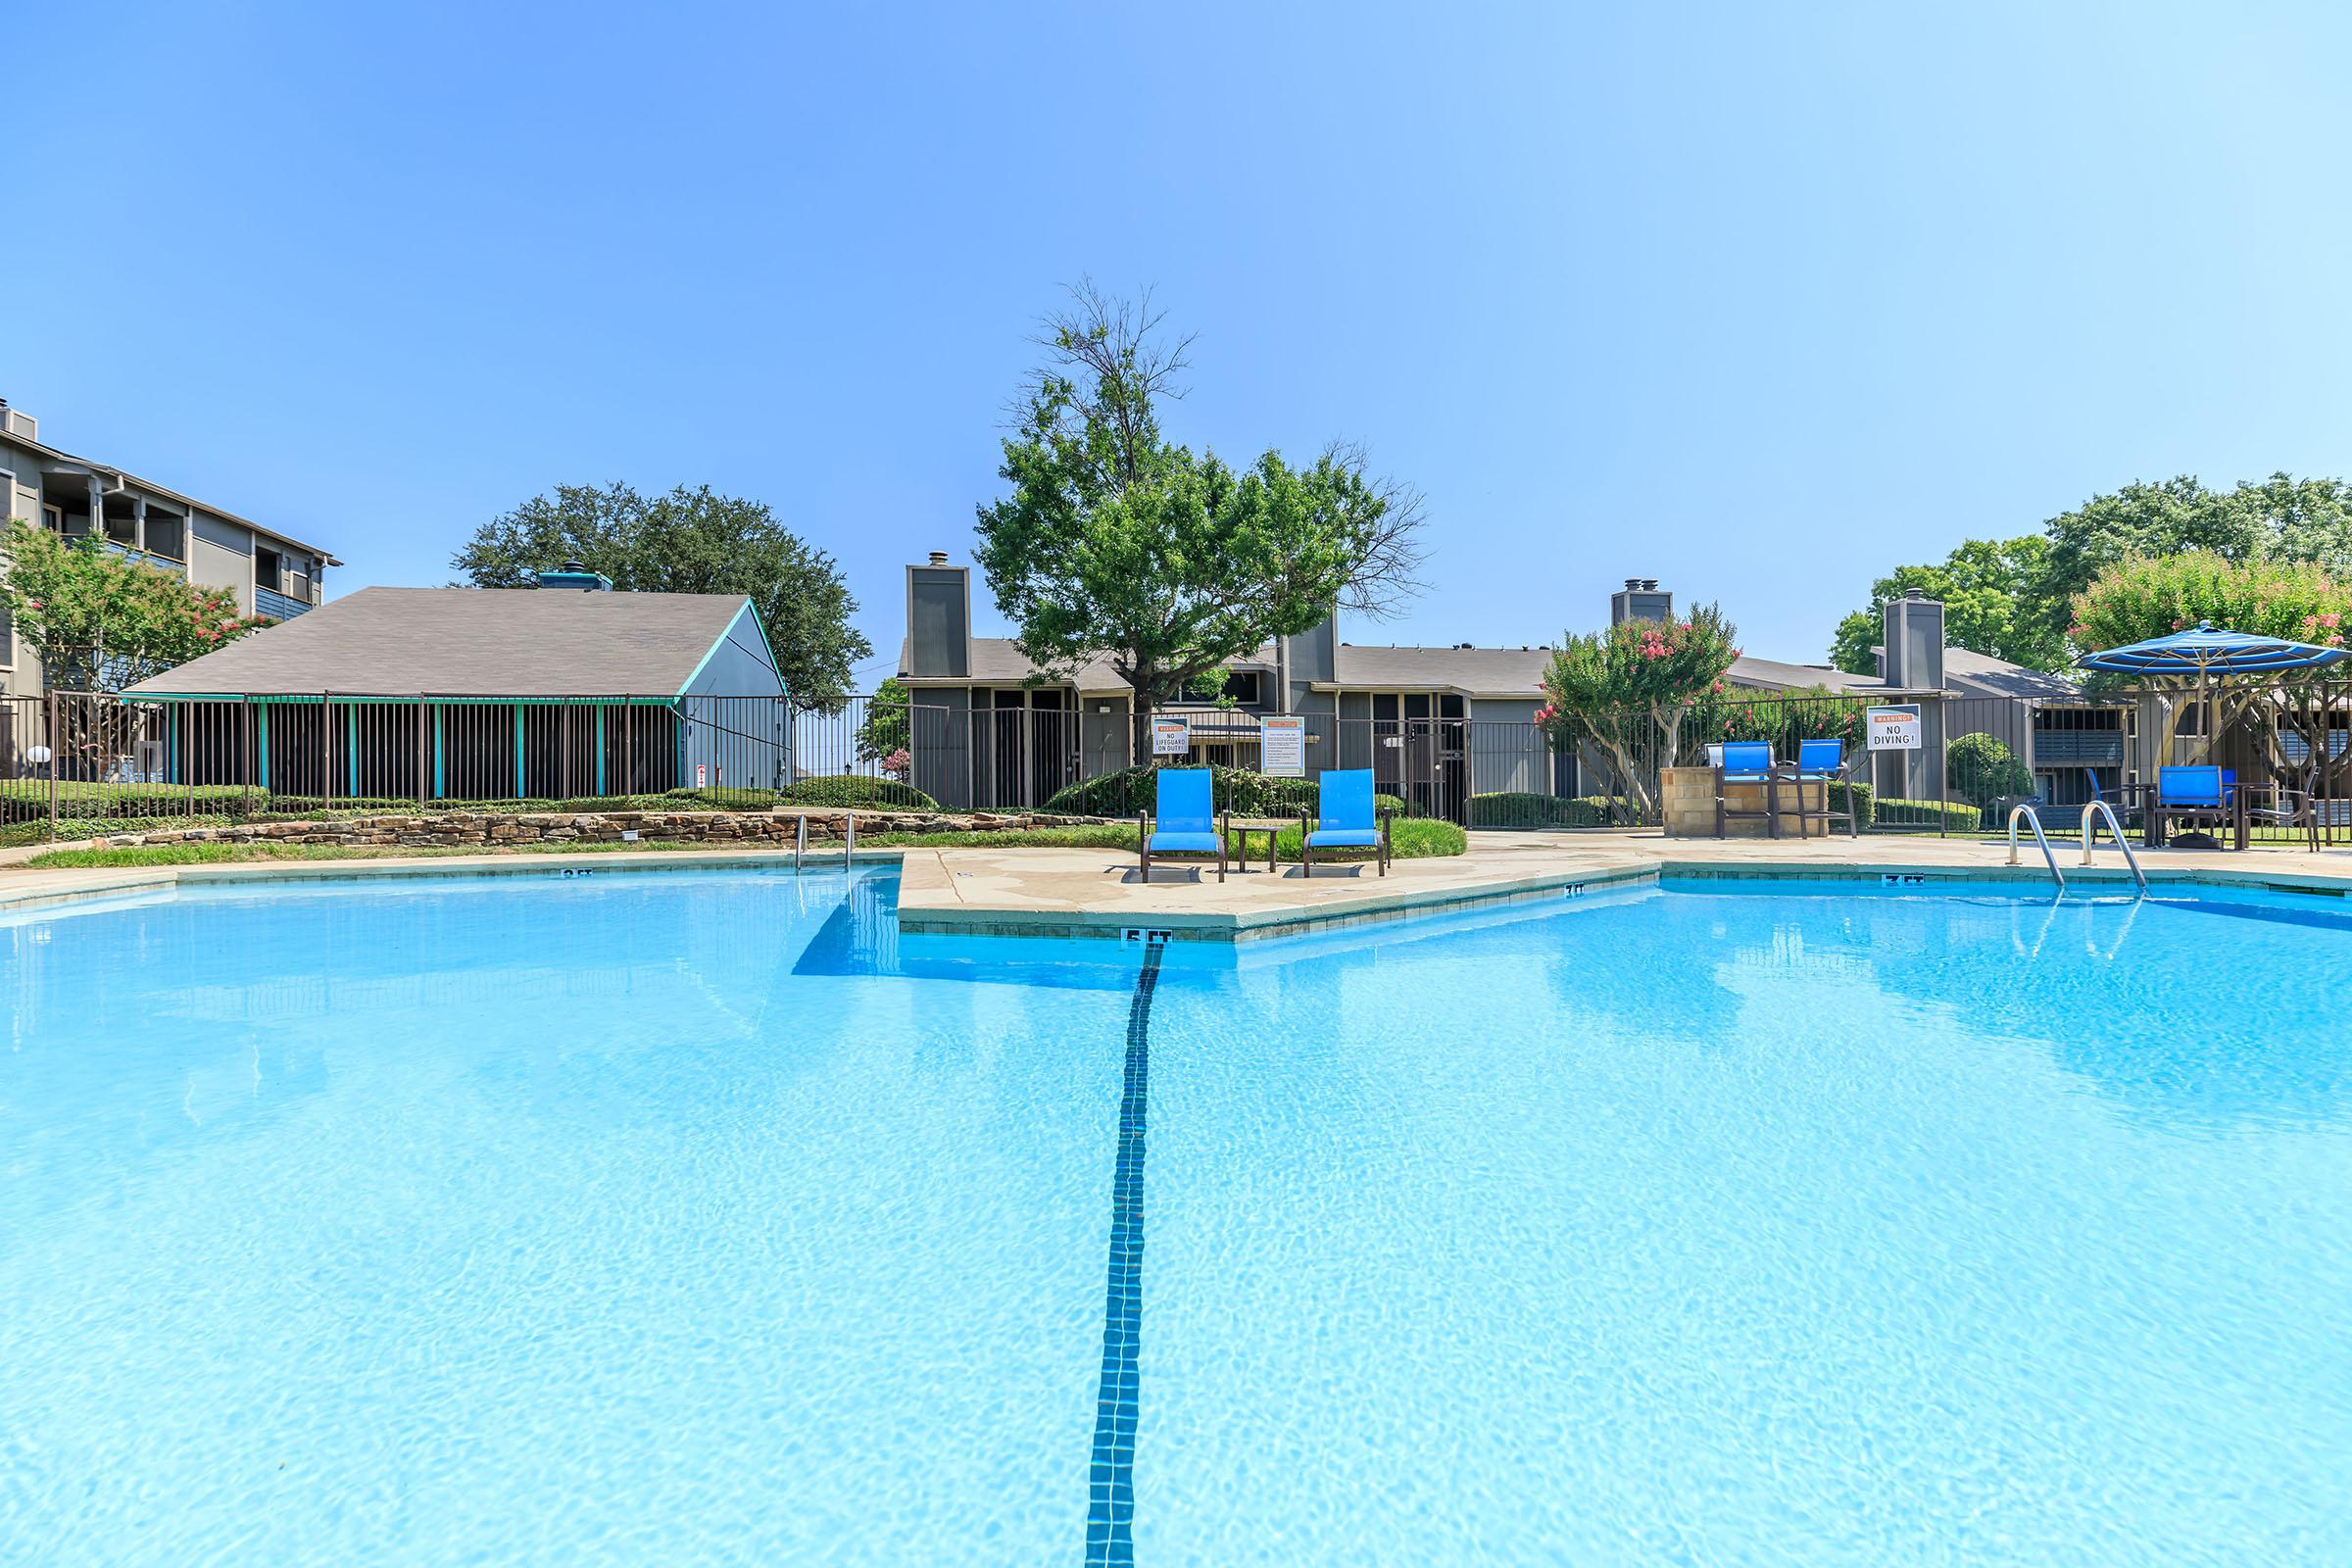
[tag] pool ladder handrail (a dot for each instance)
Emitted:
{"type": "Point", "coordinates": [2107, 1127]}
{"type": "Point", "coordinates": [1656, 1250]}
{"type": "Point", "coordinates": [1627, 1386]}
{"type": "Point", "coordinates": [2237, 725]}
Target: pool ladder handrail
{"type": "Point", "coordinates": [2024, 809]}
{"type": "Point", "coordinates": [2091, 813]}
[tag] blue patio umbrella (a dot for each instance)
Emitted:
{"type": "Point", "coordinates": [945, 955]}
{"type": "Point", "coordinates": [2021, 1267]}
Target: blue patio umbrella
{"type": "Point", "coordinates": [2205, 653]}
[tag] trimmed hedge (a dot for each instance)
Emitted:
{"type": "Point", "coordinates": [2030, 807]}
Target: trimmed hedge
{"type": "Point", "coordinates": [856, 790]}
{"type": "Point", "coordinates": [1956, 816]}
{"type": "Point", "coordinates": [1525, 808]}
{"type": "Point", "coordinates": [1237, 789]}
{"type": "Point", "coordinates": [1858, 797]}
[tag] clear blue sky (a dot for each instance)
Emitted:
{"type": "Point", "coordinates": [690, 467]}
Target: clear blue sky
{"type": "Point", "coordinates": [1759, 305]}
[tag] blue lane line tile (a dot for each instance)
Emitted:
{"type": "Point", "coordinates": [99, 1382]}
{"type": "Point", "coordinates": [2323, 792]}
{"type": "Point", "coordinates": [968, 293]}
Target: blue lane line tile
{"type": "Point", "coordinates": [1110, 1478]}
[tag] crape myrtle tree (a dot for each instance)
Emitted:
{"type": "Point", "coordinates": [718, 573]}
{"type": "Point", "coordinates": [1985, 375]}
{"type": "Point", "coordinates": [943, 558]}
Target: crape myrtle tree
{"type": "Point", "coordinates": [885, 734]}
{"type": "Point", "coordinates": [690, 541]}
{"type": "Point", "coordinates": [1627, 690]}
{"type": "Point", "coordinates": [97, 621]}
{"type": "Point", "coordinates": [1115, 543]}
{"type": "Point", "coordinates": [2141, 597]}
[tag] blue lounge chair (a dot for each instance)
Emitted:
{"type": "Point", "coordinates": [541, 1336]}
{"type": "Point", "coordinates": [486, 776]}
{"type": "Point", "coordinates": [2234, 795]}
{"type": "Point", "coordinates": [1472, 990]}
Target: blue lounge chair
{"type": "Point", "coordinates": [2192, 795]}
{"type": "Point", "coordinates": [1747, 762]}
{"type": "Point", "coordinates": [1821, 762]}
{"type": "Point", "coordinates": [1345, 818]}
{"type": "Point", "coordinates": [1187, 820]}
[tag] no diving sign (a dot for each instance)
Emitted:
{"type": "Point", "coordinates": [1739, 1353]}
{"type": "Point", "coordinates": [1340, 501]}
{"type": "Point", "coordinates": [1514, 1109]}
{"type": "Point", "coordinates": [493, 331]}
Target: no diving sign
{"type": "Point", "coordinates": [1892, 728]}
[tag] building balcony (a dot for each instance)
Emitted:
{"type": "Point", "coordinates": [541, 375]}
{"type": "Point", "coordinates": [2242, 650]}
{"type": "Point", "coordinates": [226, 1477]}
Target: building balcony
{"type": "Point", "coordinates": [277, 606]}
{"type": "Point", "coordinates": [2078, 748]}
{"type": "Point", "coordinates": [146, 558]}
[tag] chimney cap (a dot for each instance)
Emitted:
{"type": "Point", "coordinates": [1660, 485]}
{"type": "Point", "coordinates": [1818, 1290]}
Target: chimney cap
{"type": "Point", "coordinates": [1650, 585]}
{"type": "Point", "coordinates": [1915, 594]}
{"type": "Point", "coordinates": [1632, 585]}
{"type": "Point", "coordinates": [939, 557]}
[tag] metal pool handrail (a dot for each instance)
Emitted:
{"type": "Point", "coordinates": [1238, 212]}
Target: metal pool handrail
{"type": "Point", "coordinates": [2091, 813]}
{"type": "Point", "coordinates": [2024, 809]}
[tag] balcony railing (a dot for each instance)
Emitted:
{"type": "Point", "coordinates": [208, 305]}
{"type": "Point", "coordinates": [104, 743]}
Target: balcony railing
{"type": "Point", "coordinates": [2078, 747]}
{"type": "Point", "coordinates": [146, 558]}
{"type": "Point", "coordinates": [277, 606]}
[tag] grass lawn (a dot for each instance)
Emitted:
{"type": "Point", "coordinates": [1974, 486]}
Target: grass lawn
{"type": "Point", "coordinates": [1414, 840]}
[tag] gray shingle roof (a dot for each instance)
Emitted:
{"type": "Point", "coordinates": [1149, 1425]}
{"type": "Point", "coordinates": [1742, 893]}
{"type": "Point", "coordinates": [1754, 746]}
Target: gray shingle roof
{"type": "Point", "coordinates": [469, 642]}
{"type": "Point", "coordinates": [996, 661]}
{"type": "Point", "coordinates": [1981, 674]}
{"type": "Point", "coordinates": [1480, 672]}
{"type": "Point", "coordinates": [1779, 676]}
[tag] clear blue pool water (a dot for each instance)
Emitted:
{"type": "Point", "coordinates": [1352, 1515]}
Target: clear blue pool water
{"type": "Point", "coordinates": [695, 1218]}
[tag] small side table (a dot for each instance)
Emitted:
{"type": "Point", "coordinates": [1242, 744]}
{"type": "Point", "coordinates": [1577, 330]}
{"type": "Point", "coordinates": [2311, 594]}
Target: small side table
{"type": "Point", "coordinates": [1242, 826]}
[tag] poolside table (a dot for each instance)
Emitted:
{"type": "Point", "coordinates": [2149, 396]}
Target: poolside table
{"type": "Point", "coordinates": [1242, 826]}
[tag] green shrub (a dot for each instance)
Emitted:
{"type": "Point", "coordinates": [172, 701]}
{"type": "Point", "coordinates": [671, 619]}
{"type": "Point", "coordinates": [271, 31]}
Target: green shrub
{"type": "Point", "coordinates": [856, 790]}
{"type": "Point", "coordinates": [1983, 768]}
{"type": "Point", "coordinates": [23, 799]}
{"type": "Point", "coordinates": [1233, 789]}
{"type": "Point", "coordinates": [1856, 797]}
{"type": "Point", "coordinates": [1525, 808]}
{"type": "Point", "coordinates": [1955, 817]}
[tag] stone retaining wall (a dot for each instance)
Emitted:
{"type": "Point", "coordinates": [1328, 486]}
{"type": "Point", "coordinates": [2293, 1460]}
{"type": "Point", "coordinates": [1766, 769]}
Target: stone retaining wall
{"type": "Point", "coordinates": [499, 830]}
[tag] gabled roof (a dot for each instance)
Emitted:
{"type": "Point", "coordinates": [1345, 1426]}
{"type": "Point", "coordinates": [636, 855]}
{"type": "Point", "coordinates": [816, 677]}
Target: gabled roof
{"type": "Point", "coordinates": [1983, 675]}
{"type": "Point", "coordinates": [1518, 672]}
{"type": "Point", "coordinates": [1474, 671]}
{"type": "Point", "coordinates": [471, 642]}
{"type": "Point", "coordinates": [1777, 676]}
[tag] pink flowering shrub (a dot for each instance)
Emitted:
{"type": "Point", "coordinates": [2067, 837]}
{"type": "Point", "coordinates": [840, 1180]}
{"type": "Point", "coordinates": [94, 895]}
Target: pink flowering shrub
{"type": "Point", "coordinates": [1625, 690]}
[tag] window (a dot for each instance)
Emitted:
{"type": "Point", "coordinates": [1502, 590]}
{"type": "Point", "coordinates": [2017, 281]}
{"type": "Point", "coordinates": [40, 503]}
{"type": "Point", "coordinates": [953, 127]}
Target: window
{"type": "Point", "coordinates": [1244, 687]}
{"type": "Point", "coordinates": [164, 536]}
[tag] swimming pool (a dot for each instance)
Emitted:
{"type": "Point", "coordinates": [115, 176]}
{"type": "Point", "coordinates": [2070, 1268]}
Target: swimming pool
{"type": "Point", "coordinates": [693, 1217]}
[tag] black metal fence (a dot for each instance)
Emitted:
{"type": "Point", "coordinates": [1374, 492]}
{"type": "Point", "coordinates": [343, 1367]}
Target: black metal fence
{"type": "Point", "coordinates": [77, 763]}
{"type": "Point", "coordinates": [2283, 754]}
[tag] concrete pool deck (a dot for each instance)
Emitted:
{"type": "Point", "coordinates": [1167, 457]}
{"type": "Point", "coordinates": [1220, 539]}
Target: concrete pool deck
{"type": "Point", "coordinates": [1068, 892]}
{"type": "Point", "coordinates": [1095, 892]}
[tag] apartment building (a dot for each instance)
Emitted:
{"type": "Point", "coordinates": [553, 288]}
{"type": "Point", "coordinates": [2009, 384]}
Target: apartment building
{"type": "Point", "coordinates": [272, 573]}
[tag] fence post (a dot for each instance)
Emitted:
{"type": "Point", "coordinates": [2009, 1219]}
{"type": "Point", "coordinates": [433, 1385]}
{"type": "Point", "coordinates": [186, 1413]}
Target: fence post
{"type": "Point", "coordinates": [423, 758]}
{"type": "Point", "coordinates": [1944, 772]}
{"type": "Point", "coordinates": [53, 754]}
{"type": "Point", "coordinates": [245, 756]}
{"type": "Point", "coordinates": [326, 750]}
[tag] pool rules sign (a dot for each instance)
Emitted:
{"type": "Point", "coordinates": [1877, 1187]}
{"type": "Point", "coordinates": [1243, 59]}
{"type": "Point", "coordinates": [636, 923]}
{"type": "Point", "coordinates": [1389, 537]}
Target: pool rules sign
{"type": "Point", "coordinates": [1892, 728]}
{"type": "Point", "coordinates": [1282, 747]}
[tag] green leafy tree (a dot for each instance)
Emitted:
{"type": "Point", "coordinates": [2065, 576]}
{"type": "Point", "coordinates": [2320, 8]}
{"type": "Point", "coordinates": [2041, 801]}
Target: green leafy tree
{"type": "Point", "coordinates": [1627, 690]}
{"type": "Point", "coordinates": [97, 621]}
{"type": "Point", "coordinates": [2281, 519]}
{"type": "Point", "coordinates": [2141, 597]}
{"type": "Point", "coordinates": [1118, 544]}
{"type": "Point", "coordinates": [888, 725]}
{"type": "Point", "coordinates": [690, 541]}
{"type": "Point", "coordinates": [1986, 588]}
